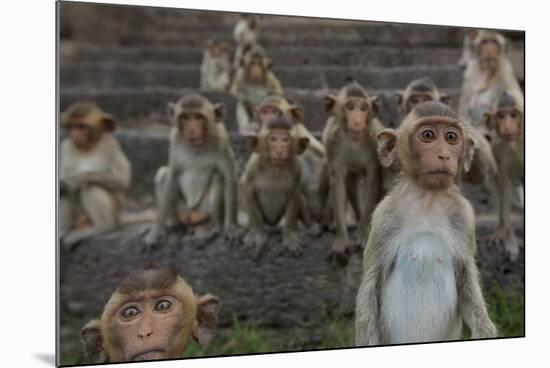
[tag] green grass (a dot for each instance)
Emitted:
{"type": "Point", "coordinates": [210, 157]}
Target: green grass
{"type": "Point", "coordinates": [506, 308]}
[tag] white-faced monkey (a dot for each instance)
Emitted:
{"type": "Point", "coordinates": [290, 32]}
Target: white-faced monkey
{"type": "Point", "coordinates": [151, 315]}
{"type": "Point", "coordinates": [94, 173]}
{"type": "Point", "coordinates": [271, 184]}
{"type": "Point", "coordinates": [505, 123]}
{"type": "Point", "coordinates": [198, 188]}
{"type": "Point", "coordinates": [420, 279]}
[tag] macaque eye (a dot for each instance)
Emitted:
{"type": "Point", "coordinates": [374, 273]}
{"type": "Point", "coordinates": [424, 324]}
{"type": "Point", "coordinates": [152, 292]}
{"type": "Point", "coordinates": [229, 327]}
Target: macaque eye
{"type": "Point", "coordinates": [130, 312]}
{"type": "Point", "coordinates": [500, 115]}
{"type": "Point", "coordinates": [451, 137]}
{"type": "Point", "coordinates": [286, 139]}
{"type": "Point", "coordinates": [514, 114]}
{"type": "Point", "coordinates": [163, 305]}
{"type": "Point", "coordinates": [364, 107]}
{"type": "Point", "coordinates": [350, 106]}
{"type": "Point", "coordinates": [427, 135]}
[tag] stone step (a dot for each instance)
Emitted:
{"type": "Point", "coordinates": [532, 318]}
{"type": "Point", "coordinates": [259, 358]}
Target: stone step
{"type": "Point", "coordinates": [116, 75]}
{"type": "Point", "coordinates": [147, 105]}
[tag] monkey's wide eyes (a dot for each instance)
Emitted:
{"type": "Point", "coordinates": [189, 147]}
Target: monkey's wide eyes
{"type": "Point", "coordinates": [451, 137]}
{"type": "Point", "coordinates": [500, 115]}
{"type": "Point", "coordinates": [350, 106]}
{"type": "Point", "coordinates": [514, 115]}
{"type": "Point", "coordinates": [427, 135]}
{"type": "Point", "coordinates": [364, 107]}
{"type": "Point", "coordinates": [163, 305]}
{"type": "Point", "coordinates": [130, 312]}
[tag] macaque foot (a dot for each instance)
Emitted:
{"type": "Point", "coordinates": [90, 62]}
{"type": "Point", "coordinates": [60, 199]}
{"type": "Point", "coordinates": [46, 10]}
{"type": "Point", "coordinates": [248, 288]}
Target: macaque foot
{"type": "Point", "coordinates": [340, 251]}
{"type": "Point", "coordinates": [293, 244]}
{"type": "Point", "coordinates": [255, 240]}
{"type": "Point", "coordinates": [231, 234]}
{"type": "Point", "coordinates": [505, 237]}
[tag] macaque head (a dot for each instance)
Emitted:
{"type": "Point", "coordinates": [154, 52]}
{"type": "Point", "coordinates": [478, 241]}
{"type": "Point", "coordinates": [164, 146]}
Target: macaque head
{"type": "Point", "coordinates": [256, 64]}
{"type": "Point", "coordinates": [355, 109]}
{"type": "Point", "coordinates": [85, 123]}
{"type": "Point", "coordinates": [217, 49]}
{"type": "Point", "coordinates": [195, 117]}
{"type": "Point", "coordinates": [506, 119]}
{"type": "Point", "coordinates": [418, 91]}
{"type": "Point", "coordinates": [490, 47]}
{"type": "Point", "coordinates": [274, 106]}
{"type": "Point", "coordinates": [151, 315]}
{"type": "Point", "coordinates": [277, 142]}
{"type": "Point", "coordinates": [431, 146]}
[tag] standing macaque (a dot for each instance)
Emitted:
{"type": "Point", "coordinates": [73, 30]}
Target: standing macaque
{"type": "Point", "coordinates": [198, 188]}
{"type": "Point", "coordinates": [252, 82]}
{"type": "Point", "coordinates": [506, 125]}
{"type": "Point", "coordinates": [468, 48]}
{"type": "Point", "coordinates": [487, 77]}
{"type": "Point", "coordinates": [215, 67]}
{"type": "Point", "coordinates": [420, 279]}
{"type": "Point", "coordinates": [245, 36]}
{"type": "Point", "coordinates": [271, 184]}
{"type": "Point", "coordinates": [151, 315]}
{"type": "Point", "coordinates": [94, 173]}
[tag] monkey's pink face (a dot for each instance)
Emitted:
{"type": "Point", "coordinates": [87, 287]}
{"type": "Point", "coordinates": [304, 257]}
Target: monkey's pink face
{"type": "Point", "coordinates": [256, 72]}
{"type": "Point", "coordinates": [193, 128]}
{"type": "Point", "coordinates": [80, 134]}
{"type": "Point", "coordinates": [217, 51]}
{"type": "Point", "coordinates": [356, 111]}
{"type": "Point", "coordinates": [149, 328]}
{"type": "Point", "coordinates": [508, 124]}
{"type": "Point", "coordinates": [279, 145]}
{"type": "Point", "coordinates": [267, 112]}
{"type": "Point", "coordinates": [417, 98]}
{"type": "Point", "coordinates": [438, 147]}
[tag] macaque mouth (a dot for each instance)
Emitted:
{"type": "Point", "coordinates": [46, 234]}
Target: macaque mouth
{"type": "Point", "coordinates": [440, 172]}
{"type": "Point", "coordinates": [149, 355]}
{"type": "Point", "coordinates": [508, 137]}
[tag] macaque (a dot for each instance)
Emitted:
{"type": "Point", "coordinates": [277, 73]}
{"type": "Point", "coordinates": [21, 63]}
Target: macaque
{"type": "Point", "coordinates": [350, 142]}
{"type": "Point", "coordinates": [252, 82]}
{"type": "Point", "coordinates": [487, 77]}
{"type": "Point", "coordinates": [420, 280]}
{"type": "Point", "coordinates": [245, 36]}
{"type": "Point", "coordinates": [418, 91]}
{"type": "Point", "coordinates": [94, 173]}
{"type": "Point", "coordinates": [271, 184]}
{"type": "Point", "coordinates": [505, 123]}
{"type": "Point", "coordinates": [215, 67]}
{"type": "Point", "coordinates": [198, 188]}
{"type": "Point", "coordinates": [151, 315]}
{"type": "Point", "coordinates": [468, 48]}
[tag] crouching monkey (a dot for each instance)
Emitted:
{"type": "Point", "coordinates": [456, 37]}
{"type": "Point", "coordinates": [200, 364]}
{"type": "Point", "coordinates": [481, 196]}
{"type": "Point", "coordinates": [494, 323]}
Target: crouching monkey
{"type": "Point", "coordinates": [94, 173]}
{"type": "Point", "coordinates": [420, 279]}
{"type": "Point", "coordinates": [350, 142]}
{"type": "Point", "coordinates": [215, 68]}
{"type": "Point", "coordinates": [252, 82]}
{"type": "Point", "coordinates": [271, 184]}
{"type": "Point", "coordinates": [151, 315]}
{"type": "Point", "coordinates": [505, 123]}
{"type": "Point", "coordinates": [198, 188]}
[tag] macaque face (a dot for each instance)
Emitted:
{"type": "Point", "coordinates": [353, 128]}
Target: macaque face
{"type": "Point", "coordinates": [417, 98]}
{"type": "Point", "coordinates": [193, 128]}
{"type": "Point", "coordinates": [217, 51]}
{"type": "Point", "coordinates": [256, 72]}
{"type": "Point", "coordinates": [488, 53]}
{"type": "Point", "coordinates": [356, 112]}
{"type": "Point", "coordinates": [279, 145]}
{"type": "Point", "coordinates": [267, 112]}
{"type": "Point", "coordinates": [80, 134]}
{"type": "Point", "coordinates": [438, 148]}
{"type": "Point", "coordinates": [508, 124]}
{"type": "Point", "coordinates": [150, 327]}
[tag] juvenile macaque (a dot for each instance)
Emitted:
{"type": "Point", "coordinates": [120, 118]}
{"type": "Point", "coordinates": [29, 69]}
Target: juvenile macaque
{"type": "Point", "coordinates": [350, 142]}
{"type": "Point", "coordinates": [420, 279]}
{"type": "Point", "coordinates": [151, 315]}
{"type": "Point", "coordinates": [94, 173]}
{"type": "Point", "coordinates": [418, 91]}
{"type": "Point", "coordinates": [252, 82]}
{"type": "Point", "coordinates": [198, 188]}
{"type": "Point", "coordinates": [245, 36]}
{"type": "Point", "coordinates": [271, 184]}
{"type": "Point", "coordinates": [505, 123]}
{"type": "Point", "coordinates": [487, 77]}
{"type": "Point", "coordinates": [215, 67]}
{"type": "Point", "coordinates": [468, 48]}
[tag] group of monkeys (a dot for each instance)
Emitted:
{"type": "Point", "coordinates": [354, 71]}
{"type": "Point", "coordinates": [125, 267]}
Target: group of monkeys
{"type": "Point", "coordinates": [420, 280]}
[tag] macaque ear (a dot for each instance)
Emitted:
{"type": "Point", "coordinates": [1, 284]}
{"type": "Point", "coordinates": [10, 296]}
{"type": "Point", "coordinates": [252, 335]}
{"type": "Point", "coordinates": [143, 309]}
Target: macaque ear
{"type": "Point", "coordinates": [375, 103]}
{"type": "Point", "coordinates": [109, 122]}
{"type": "Point", "coordinates": [446, 99]}
{"type": "Point", "coordinates": [252, 142]}
{"type": "Point", "coordinates": [267, 63]}
{"type": "Point", "coordinates": [170, 110]}
{"type": "Point", "coordinates": [469, 151]}
{"type": "Point", "coordinates": [330, 101]}
{"type": "Point", "coordinates": [488, 120]}
{"type": "Point", "coordinates": [399, 98]}
{"type": "Point", "coordinates": [387, 151]}
{"type": "Point", "coordinates": [219, 111]}
{"type": "Point", "coordinates": [207, 318]}
{"type": "Point", "coordinates": [302, 144]}
{"type": "Point", "coordinates": [91, 339]}
{"type": "Point", "coordinates": [296, 113]}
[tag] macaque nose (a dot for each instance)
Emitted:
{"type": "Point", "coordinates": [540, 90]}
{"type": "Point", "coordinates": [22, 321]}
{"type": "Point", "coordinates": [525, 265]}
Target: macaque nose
{"type": "Point", "coordinates": [444, 155]}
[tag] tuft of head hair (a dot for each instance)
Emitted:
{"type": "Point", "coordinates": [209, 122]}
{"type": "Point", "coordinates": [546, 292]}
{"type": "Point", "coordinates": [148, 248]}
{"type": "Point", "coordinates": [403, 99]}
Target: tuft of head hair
{"type": "Point", "coordinates": [506, 100]}
{"type": "Point", "coordinates": [147, 279]}
{"type": "Point", "coordinates": [279, 122]}
{"type": "Point", "coordinates": [434, 109]}
{"type": "Point", "coordinates": [354, 89]}
{"type": "Point", "coordinates": [425, 84]}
